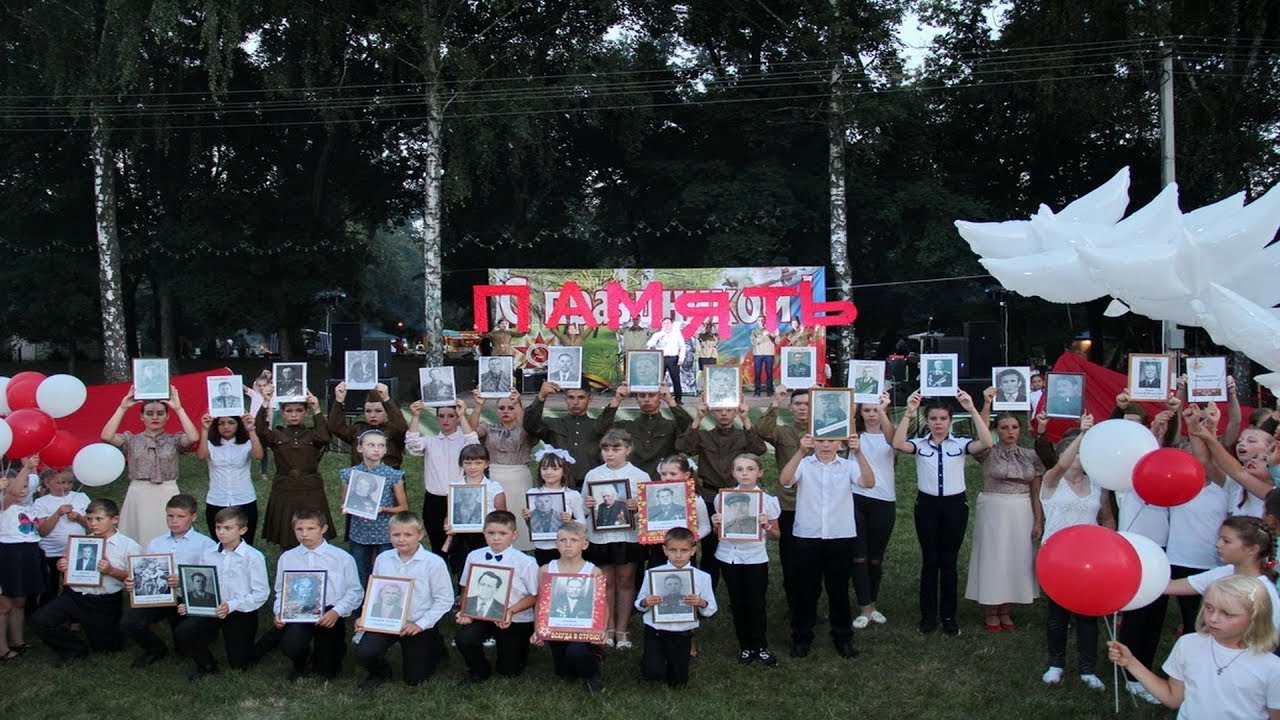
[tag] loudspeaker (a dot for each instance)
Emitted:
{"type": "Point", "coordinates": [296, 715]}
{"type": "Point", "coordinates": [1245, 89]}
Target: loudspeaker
{"type": "Point", "coordinates": [343, 336]}
{"type": "Point", "coordinates": [959, 346]}
{"type": "Point", "coordinates": [531, 381]}
{"type": "Point", "coordinates": [984, 347]}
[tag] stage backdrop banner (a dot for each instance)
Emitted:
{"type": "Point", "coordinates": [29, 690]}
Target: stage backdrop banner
{"type": "Point", "coordinates": [604, 349]}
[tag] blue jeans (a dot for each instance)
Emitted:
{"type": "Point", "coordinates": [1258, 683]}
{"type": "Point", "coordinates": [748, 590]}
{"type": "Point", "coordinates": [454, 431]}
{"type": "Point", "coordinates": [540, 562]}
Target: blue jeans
{"type": "Point", "coordinates": [764, 371]}
{"type": "Point", "coordinates": [365, 555]}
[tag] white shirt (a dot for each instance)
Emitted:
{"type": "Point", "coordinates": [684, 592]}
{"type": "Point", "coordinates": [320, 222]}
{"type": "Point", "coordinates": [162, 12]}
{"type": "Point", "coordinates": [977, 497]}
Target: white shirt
{"type": "Point", "coordinates": [940, 468]}
{"type": "Point", "coordinates": [1150, 521]}
{"type": "Point", "coordinates": [634, 476]}
{"type": "Point", "coordinates": [54, 544]}
{"type": "Point", "coordinates": [342, 589]}
{"type": "Point", "coordinates": [440, 462]}
{"type": "Point", "coordinates": [1064, 508]}
{"type": "Point", "coordinates": [432, 587]}
{"type": "Point", "coordinates": [880, 456]}
{"type": "Point", "coordinates": [230, 474]}
{"type": "Point", "coordinates": [1193, 528]}
{"type": "Point", "coordinates": [572, 505]}
{"type": "Point", "coordinates": [1244, 691]}
{"type": "Point", "coordinates": [824, 498]}
{"type": "Point", "coordinates": [242, 576]}
{"type": "Point", "coordinates": [119, 548]}
{"type": "Point", "coordinates": [1253, 505]}
{"type": "Point", "coordinates": [670, 343]}
{"type": "Point", "coordinates": [1200, 582]}
{"type": "Point", "coordinates": [19, 524]}
{"type": "Point", "coordinates": [701, 587]}
{"type": "Point", "coordinates": [186, 550]}
{"type": "Point", "coordinates": [750, 552]}
{"type": "Point", "coordinates": [524, 581]}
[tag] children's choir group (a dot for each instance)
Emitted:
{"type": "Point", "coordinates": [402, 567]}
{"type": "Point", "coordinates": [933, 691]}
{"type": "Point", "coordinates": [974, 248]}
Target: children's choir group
{"type": "Point", "coordinates": [832, 514]}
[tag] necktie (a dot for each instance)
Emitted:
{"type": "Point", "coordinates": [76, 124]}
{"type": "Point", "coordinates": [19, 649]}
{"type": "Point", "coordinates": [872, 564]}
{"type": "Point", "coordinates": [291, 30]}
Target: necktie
{"type": "Point", "coordinates": [491, 556]}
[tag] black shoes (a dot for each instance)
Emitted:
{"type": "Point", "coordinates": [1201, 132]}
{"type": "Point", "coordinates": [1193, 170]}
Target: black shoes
{"type": "Point", "coordinates": [844, 648]}
{"type": "Point", "coordinates": [767, 657]}
{"type": "Point", "coordinates": [147, 658]}
{"type": "Point", "coordinates": [950, 627]}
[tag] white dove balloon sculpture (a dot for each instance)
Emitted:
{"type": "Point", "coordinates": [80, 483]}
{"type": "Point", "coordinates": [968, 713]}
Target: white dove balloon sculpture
{"type": "Point", "coordinates": [1211, 267]}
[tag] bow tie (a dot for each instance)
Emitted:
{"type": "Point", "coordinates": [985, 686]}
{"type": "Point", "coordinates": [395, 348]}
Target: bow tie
{"type": "Point", "coordinates": [491, 556]}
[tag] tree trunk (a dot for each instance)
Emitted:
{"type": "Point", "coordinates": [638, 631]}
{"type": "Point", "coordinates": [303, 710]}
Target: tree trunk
{"type": "Point", "coordinates": [835, 174]}
{"type": "Point", "coordinates": [433, 320]}
{"type": "Point", "coordinates": [115, 355]}
{"type": "Point", "coordinates": [164, 316]}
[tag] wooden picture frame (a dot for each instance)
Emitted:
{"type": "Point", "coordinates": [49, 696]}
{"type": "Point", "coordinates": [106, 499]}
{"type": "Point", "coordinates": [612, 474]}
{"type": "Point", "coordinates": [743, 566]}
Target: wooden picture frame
{"type": "Point", "coordinates": [89, 549]}
{"type": "Point", "coordinates": [544, 522]}
{"type": "Point", "coordinates": [655, 516]}
{"type": "Point", "coordinates": [484, 600]}
{"type": "Point", "coordinates": [610, 518]}
{"type": "Point", "coordinates": [563, 602]}
{"type": "Point", "coordinates": [383, 611]}
{"type": "Point", "coordinates": [831, 413]}
{"type": "Point", "coordinates": [465, 515]}
{"type": "Point", "coordinates": [150, 574]}
{"type": "Point", "coordinates": [196, 595]}
{"type": "Point", "coordinates": [302, 595]}
{"type": "Point", "coordinates": [1150, 377]}
{"type": "Point", "coordinates": [732, 526]}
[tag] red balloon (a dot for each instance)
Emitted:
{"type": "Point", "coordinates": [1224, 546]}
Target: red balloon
{"type": "Point", "coordinates": [32, 431]}
{"type": "Point", "coordinates": [1089, 570]}
{"type": "Point", "coordinates": [1168, 477]}
{"type": "Point", "coordinates": [61, 451]}
{"type": "Point", "coordinates": [21, 391]}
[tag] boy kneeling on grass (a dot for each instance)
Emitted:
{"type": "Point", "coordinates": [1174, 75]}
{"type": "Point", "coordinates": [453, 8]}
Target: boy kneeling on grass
{"type": "Point", "coordinates": [513, 628]}
{"type": "Point", "coordinates": [666, 645]}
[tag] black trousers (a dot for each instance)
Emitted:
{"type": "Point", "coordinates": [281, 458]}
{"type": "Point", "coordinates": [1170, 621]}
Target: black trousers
{"type": "Point", "coordinates": [1188, 605]}
{"type": "Point", "coordinates": [875, 520]}
{"type": "Point", "coordinates": [1086, 638]}
{"type": "Point", "coordinates": [135, 624]}
{"type": "Point", "coordinates": [786, 554]}
{"type": "Point", "coordinates": [462, 545]}
{"type": "Point", "coordinates": [435, 509]}
{"type": "Point", "coordinates": [250, 513]}
{"type": "Point", "coordinates": [748, 587]}
{"type": "Point", "coordinates": [1140, 631]}
{"type": "Point", "coordinates": [707, 561]}
{"type": "Point", "coordinates": [52, 586]}
{"type": "Point", "coordinates": [940, 526]}
{"type": "Point", "coordinates": [575, 659]}
{"type": "Point", "coordinates": [419, 654]}
{"type": "Point", "coordinates": [98, 616]}
{"type": "Point", "coordinates": [194, 636]}
{"type": "Point", "coordinates": [671, 364]}
{"type": "Point", "coordinates": [666, 656]}
{"type": "Point", "coordinates": [822, 563]}
{"type": "Point", "coordinates": [324, 648]}
{"type": "Point", "coordinates": [512, 647]}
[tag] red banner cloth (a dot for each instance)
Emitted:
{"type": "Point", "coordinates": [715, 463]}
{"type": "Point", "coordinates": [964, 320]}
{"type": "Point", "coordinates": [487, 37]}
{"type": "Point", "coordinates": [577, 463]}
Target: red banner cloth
{"type": "Point", "coordinates": [1101, 386]}
{"type": "Point", "coordinates": [86, 423]}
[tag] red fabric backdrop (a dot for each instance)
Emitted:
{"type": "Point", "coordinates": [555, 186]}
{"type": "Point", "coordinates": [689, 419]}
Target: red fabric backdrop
{"type": "Point", "coordinates": [86, 423]}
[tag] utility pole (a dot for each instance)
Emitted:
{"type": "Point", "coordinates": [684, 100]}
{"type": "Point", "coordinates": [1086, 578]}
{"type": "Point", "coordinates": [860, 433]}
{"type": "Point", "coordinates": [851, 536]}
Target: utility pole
{"type": "Point", "coordinates": [1170, 334]}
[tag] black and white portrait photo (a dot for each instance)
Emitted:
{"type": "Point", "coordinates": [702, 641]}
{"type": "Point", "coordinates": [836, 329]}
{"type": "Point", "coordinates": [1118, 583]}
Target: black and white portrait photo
{"type": "Point", "coordinates": [1149, 377]}
{"type": "Point", "coordinates": [1012, 386]}
{"type": "Point", "coordinates": [723, 387]}
{"type": "Point", "coordinates": [150, 379]}
{"type": "Point", "coordinates": [1064, 395]}
{"type": "Point", "coordinates": [386, 604]}
{"type": "Point", "coordinates": [302, 600]}
{"type": "Point", "coordinates": [546, 513]}
{"type": "Point", "coordinates": [487, 592]}
{"type": "Point", "coordinates": [610, 512]}
{"type": "Point", "coordinates": [83, 554]}
{"type": "Point", "coordinates": [572, 601]}
{"type": "Point", "coordinates": [829, 414]}
{"type": "Point", "coordinates": [226, 395]}
{"type": "Point", "coordinates": [799, 367]}
{"type": "Point", "coordinates": [939, 374]}
{"type": "Point", "coordinates": [437, 386]}
{"type": "Point", "coordinates": [740, 512]}
{"type": "Point", "coordinates": [644, 370]}
{"type": "Point", "coordinates": [466, 507]}
{"type": "Point", "coordinates": [564, 366]}
{"type": "Point", "coordinates": [362, 369]}
{"type": "Point", "coordinates": [496, 376]}
{"type": "Point", "coordinates": [866, 377]}
{"type": "Point", "coordinates": [150, 575]}
{"type": "Point", "coordinates": [199, 585]}
{"type": "Point", "coordinates": [665, 505]}
{"type": "Point", "coordinates": [290, 381]}
{"type": "Point", "coordinates": [364, 494]}
{"type": "Point", "coordinates": [672, 586]}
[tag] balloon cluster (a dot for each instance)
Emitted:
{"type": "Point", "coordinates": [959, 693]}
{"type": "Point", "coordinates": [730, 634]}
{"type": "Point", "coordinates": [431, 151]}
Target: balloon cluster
{"type": "Point", "coordinates": [1211, 267]}
{"type": "Point", "coordinates": [1093, 570]}
{"type": "Point", "coordinates": [31, 403]}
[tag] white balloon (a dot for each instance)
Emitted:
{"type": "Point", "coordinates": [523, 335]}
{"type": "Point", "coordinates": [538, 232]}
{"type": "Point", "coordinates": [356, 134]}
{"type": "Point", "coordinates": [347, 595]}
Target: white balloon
{"type": "Point", "coordinates": [997, 239]}
{"type": "Point", "coordinates": [1179, 311]}
{"type": "Point", "coordinates": [1050, 233]}
{"type": "Point", "coordinates": [1104, 204]}
{"type": "Point", "coordinates": [1116, 308]}
{"type": "Point", "coordinates": [1157, 223]}
{"type": "Point", "coordinates": [98, 464]}
{"type": "Point", "coordinates": [1155, 570]}
{"type": "Point", "coordinates": [6, 437]}
{"type": "Point", "coordinates": [4, 400]}
{"type": "Point", "coordinates": [1257, 282]}
{"type": "Point", "coordinates": [1111, 449]}
{"type": "Point", "coordinates": [1242, 325]}
{"type": "Point", "coordinates": [1232, 244]}
{"type": "Point", "coordinates": [1138, 271]}
{"type": "Point", "coordinates": [1056, 276]}
{"type": "Point", "coordinates": [1269, 380]}
{"type": "Point", "coordinates": [1203, 217]}
{"type": "Point", "coordinates": [60, 395]}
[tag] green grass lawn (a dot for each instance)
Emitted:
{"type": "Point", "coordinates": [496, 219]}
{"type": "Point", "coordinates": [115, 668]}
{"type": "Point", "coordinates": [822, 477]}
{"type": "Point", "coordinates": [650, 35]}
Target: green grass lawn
{"type": "Point", "coordinates": [899, 673]}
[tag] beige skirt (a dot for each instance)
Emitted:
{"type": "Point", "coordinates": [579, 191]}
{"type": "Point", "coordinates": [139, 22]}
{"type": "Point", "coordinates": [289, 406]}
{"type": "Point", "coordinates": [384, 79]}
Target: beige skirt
{"type": "Point", "coordinates": [142, 516]}
{"type": "Point", "coordinates": [516, 481]}
{"type": "Point", "coordinates": [1002, 564]}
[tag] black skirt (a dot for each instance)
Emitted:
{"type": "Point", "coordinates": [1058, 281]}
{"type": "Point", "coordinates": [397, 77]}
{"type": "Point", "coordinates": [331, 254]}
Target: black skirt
{"type": "Point", "coordinates": [21, 569]}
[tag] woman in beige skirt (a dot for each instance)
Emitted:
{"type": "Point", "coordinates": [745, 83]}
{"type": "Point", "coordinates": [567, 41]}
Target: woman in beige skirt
{"type": "Point", "coordinates": [509, 449]}
{"type": "Point", "coordinates": [1007, 524]}
{"type": "Point", "coordinates": [152, 461]}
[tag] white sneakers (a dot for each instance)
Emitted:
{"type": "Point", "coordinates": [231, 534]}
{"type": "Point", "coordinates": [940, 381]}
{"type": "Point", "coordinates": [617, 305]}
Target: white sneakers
{"type": "Point", "coordinates": [1093, 682]}
{"type": "Point", "coordinates": [1052, 676]}
{"type": "Point", "coordinates": [860, 622]}
{"type": "Point", "coordinates": [877, 618]}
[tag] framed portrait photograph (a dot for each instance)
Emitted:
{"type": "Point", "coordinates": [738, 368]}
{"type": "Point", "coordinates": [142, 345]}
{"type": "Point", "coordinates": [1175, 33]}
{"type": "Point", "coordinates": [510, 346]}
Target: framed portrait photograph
{"type": "Point", "coordinates": [199, 587]}
{"type": "Point", "coordinates": [740, 512]}
{"type": "Point", "coordinates": [226, 395]}
{"type": "Point", "coordinates": [1013, 389]}
{"type": "Point", "coordinates": [571, 608]}
{"type": "Point", "coordinates": [829, 413]}
{"type": "Point", "coordinates": [1150, 376]}
{"type": "Point", "coordinates": [437, 386]}
{"type": "Point", "coordinates": [1206, 379]}
{"type": "Point", "coordinates": [290, 382]}
{"type": "Point", "coordinates": [644, 370]}
{"type": "Point", "coordinates": [496, 376]}
{"type": "Point", "coordinates": [939, 374]}
{"type": "Point", "coordinates": [546, 513]}
{"type": "Point", "coordinates": [866, 378]}
{"type": "Point", "coordinates": [672, 585]}
{"type": "Point", "coordinates": [467, 505]}
{"type": "Point", "coordinates": [722, 387]}
{"type": "Point", "coordinates": [610, 512]}
{"type": "Point", "coordinates": [564, 366]}
{"type": "Point", "coordinates": [302, 599]}
{"type": "Point", "coordinates": [150, 379]}
{"type": "Point", "coordinates": [1064, 395]}
{"type": "Point", "coordinates": [364, 494]}
{"type": "Point", "coordinates": [663, 505]}
{"type": "Point", "coordinates": [83, 554]}
{"type": "Point", "coordinates": [799, 367]}
{"type": "Point", "coordinates": [386, 604]}
{"type": "Point", "coordinates": [488, 592]}
{"type": "Point", "coordinates": [361, 369]}
{"type": "Point", "coordinates": [150, 573]}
